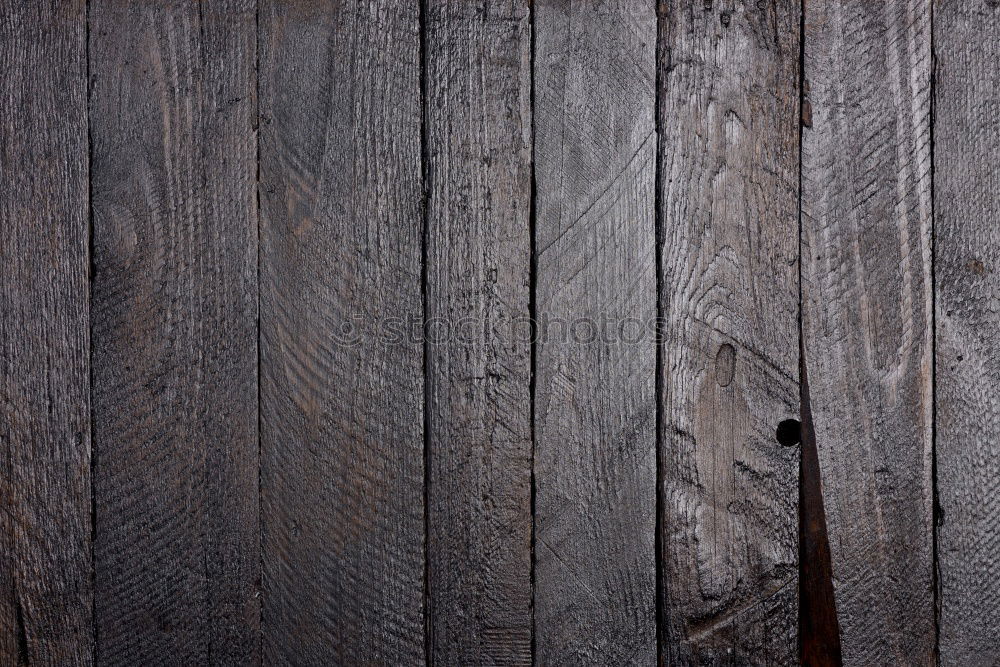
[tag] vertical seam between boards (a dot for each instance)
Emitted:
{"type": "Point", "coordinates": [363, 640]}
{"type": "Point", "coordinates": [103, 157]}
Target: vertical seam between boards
{"type": "Point", "coordinates": [658, 234]}
{"type": "Point", "coordinates": [935, 500]}
{"type": "Point", "coordinates": [260, 394]}
{"type": "Point", "coordinates": [424, 289]}
{"type": "Point", "coordinates": [533, 319]}
{"type": "Point", "coordinates": [91, 275]}
{"type": "Point", "coordinates": [801, 322]}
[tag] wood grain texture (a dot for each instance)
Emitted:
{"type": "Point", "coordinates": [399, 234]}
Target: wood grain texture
{"type": "Point", "coordinates": [866, 257]}
{"type": "Point", "coordinates": [595, 403]}
{"type": "Point", "coordinates": [341, 367]}
{"type": "Point", "coordinates": [479, 365]}
{"type": "Point", "coordinates": [967, 258]}
{"type": "Point", "coordinates": [730, 300]}
{"type": "Point", "coordinates": [45, 589]}
{"type": "Point", "coordinates": [177, 541]}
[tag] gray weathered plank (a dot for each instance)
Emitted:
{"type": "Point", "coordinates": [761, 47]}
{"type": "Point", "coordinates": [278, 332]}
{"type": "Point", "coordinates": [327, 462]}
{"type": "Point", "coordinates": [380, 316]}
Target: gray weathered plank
{"type": "Point", "coordinates": [45, 589]}
{"type": "Point", "coordinates": [177, 546]}
{"type": "Point", "coordinates": [595, 403]}
{"type": "Point", "coordinates": [342, 408]}
{"type": "Point", "coordinates": [967, 257]}
{"type": "Point", "coordinates": [479, 361]}
{"type": "Point", "coordinates": [729, 76]}
{"type": "Point", "coordinates": [866, 258]}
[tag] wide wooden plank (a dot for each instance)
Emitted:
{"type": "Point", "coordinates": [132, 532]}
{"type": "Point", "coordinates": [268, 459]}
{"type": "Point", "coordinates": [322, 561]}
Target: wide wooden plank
{"type": "Point", "coordinates": [595, 400]}
{"type": "Point", "coordinates": [177, 542]}
{"type": "Point", "coordinates": [729, 118]}
{"type": "Point", "coordinates": [866, 258]}
{"type": "Point", "coordinates": [479, 359]}
{"type": "Point", "coordinates": [45, 588]}
{"type": "Point", "coordinates": [341, 362]}
{"type": "Point", "coordinates": [966, 260]}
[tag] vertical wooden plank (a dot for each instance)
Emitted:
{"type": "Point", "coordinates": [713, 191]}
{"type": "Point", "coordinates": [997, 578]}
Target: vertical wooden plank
{"type": "Point", "coordinates": [595, 403]}
{"type": "Point", "coordinates": [341, 308]}
{"type": "Point", "coordinates": [967, 257]}
{"type": "Point", "coordinates": [729, 76]}
{"type": "Point", "coordinates": [177, 544]}
{"type": "Point", "coordinates": [479, 365]}
{"type": "Point", "coordinates": [45, 588]}
{"type": "Point", "coordinates": [866, 254]}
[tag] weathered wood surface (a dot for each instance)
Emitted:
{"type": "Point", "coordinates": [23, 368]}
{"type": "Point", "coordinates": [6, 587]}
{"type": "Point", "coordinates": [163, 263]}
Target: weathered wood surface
{"type": "Point", "coordinates": [478, 498]}
{"type": "Point", "coordinates": [729, 101]}
{"type": "Point", "coordinates": [45, 446]}
{"type": "Point", "coordinates": [595, 403]}
{"type": "Point", "coordinates": [967, 257]}
{"type": "Point", "coordinates": [177, 531]}
{"type": "Point", "coordinates": [478, 126]}
{"type": "Point", "coordinates": [866, 258]}
{"type": "Point", "coordinates": [342, 409]}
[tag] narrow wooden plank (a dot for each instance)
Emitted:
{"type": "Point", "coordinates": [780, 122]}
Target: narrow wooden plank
{"type": "Point", "coordinates": [177, 542]}
{"type": "Point", "coordinates": [45, 589]}
{"type": "Point", "coordinates": [866, 258]}
{"type": "Point", "coordinates": [342, 363]}
{"type": "Point", "coordinates": [595, 402]}
{"type": "Point", "coordinates": [479, 365]}
{"type": "Point", "coordinates": [967, 257]}
{"type": "Point", "coordinates": [729, 76]}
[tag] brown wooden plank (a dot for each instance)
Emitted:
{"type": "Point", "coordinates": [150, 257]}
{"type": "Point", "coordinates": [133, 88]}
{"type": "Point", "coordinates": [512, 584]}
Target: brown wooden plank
{"type": "Point", "coordinates": [45, 589]}
{"type": "Point", "coordinates": [967, 257]}
{"type": "Point", "coordinates": [177, 546]}
{"type": "Point", "coordinates": [342, 429]}
{"type": "Point", "coordinates": [479, 362]}
{"type": "Point", "coordinates": [595, 401]}
{"type": "Point", "coordinates": [729, 76]}
{"type": "Point", "coordinates": [866, 258]}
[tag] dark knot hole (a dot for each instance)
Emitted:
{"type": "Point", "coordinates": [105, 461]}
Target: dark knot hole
{"type": "Point", "coordinates": [789, 432]}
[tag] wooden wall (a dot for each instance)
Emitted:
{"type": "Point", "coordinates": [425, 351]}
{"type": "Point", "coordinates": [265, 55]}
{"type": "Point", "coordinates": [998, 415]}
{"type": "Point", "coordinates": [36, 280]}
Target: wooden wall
{"type": "Point", "coordinates": [500, 332]}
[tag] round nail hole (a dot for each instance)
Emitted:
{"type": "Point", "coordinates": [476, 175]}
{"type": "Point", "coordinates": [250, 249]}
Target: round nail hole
{"type": "Point", "coordinates": [789, 432]}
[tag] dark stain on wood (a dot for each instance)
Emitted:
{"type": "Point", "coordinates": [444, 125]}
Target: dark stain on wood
{"type": "Point", "coordinates": [819, 629]}
{"type": "Point", "coordinates": [807, 112]}
{"type": "Point", "coordinates": [23, 652]}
